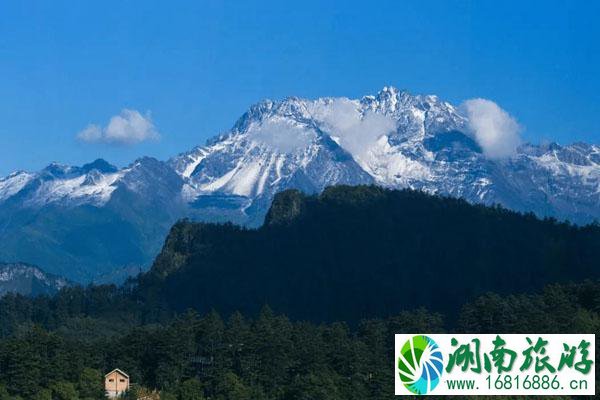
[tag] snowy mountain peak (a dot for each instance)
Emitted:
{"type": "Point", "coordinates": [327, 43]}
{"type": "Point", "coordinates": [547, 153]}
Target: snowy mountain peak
{"type": "Point", "coordinates": [96, 218]}
{"type": "Point", "coordinates": [91, 184]}
{"type": "Point", "coordinates": [57, 170]}
{"type": "Point", "coordinates": [99, 165]}
{"type": "Point", "coordinates": [391, 138]}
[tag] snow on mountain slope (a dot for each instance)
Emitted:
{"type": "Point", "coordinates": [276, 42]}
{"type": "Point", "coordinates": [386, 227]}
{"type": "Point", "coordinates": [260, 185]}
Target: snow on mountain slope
{"type": "Point", "coordinates": [13, 184]}
{"type": "Point", "coordinates": [272, 147]}
{"type": "Point", "coordinates": [92, 184]}
{"type": "Point", "coordinates": [28, 280]}
{"type": "Point", "coordinates": [93, 187]}
{"type": "Point", "coordinates": [382, 139]}
{"type": "Point", "coordinates": [274, 142]}
{"type": "Point", "coordinates": [96, 218]}
{"type": "Point", "coordinates": [392, 139]}
{"type": "Point", "coordinates": [87, 222]}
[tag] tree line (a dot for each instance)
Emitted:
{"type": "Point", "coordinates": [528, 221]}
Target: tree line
{"type": "Point", "coordinates": [60, 347]}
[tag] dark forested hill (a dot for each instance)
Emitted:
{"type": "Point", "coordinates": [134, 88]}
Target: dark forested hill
{"type": "Point", "coordinates": [355, 252]}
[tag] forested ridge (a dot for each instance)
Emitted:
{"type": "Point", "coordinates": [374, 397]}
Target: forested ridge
{"type": "Point", "coordinates": [363, 251]}
{"type": "Point", "coordinates": [305, 307]}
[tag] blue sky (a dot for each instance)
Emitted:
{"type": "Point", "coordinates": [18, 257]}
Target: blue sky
{"type": "Point", "coordinates": [195, 67]}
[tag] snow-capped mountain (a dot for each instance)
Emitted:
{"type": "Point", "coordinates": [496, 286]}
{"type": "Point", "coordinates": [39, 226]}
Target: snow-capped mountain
{"type": "Point", "coordinates": [91, 184]}
{"type": "Point", "coordinates": [100, 217]}
{"type": "Point", "coordinates": [28, 280]}
{"type": "Point", "coordinates": [393, 139]}
{"type": "Point", "coordinates": [86, 222]}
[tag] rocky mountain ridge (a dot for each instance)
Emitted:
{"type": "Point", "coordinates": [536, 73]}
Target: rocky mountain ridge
{"type": "Point", "coordinates": [392, 139]}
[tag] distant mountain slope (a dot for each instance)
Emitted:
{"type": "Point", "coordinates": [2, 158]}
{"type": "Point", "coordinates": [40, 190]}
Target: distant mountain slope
{"type": "Point", "coordinates": [85, 222]}
{"type": "Point", "coordinates": [364, 251]}
{"type": "Point", "coordinates": [28, 280]}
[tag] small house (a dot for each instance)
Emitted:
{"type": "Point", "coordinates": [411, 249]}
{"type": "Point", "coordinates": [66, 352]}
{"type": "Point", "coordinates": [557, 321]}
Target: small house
{"type": "Point", "coordinates": [116, 383]}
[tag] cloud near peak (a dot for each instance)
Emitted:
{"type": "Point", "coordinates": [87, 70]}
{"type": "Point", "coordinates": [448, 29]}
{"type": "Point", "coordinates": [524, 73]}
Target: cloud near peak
{"type": "Point", "coordinates": [494, 129]}
{"type": "Point", "coordinates": [128, 128]}
{"type": "Point", "coordinates": [356, 132]}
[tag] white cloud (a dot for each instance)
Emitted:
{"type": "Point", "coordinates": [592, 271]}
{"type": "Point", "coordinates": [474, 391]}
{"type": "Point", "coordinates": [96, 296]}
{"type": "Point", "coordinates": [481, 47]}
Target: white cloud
{"type": "Point", "coordinates": [91, 133]}
{"type": "Point", "coordinates": [341, 118]}
{"type": "Point", "coordinates": [283, 135]}
{"type": "Point", "coordinates": [496, 131]}
{"type": "Point", "coordinates": [356, 132]}
{"type": "Point", "coordinates": [129, 127]}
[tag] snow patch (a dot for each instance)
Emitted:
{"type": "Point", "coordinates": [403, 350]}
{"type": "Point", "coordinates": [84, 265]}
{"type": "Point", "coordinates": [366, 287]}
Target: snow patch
{"type": "Point", "coordinates": [13, 184]}
{"type": "Point", "coordinates": [95, 191]}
